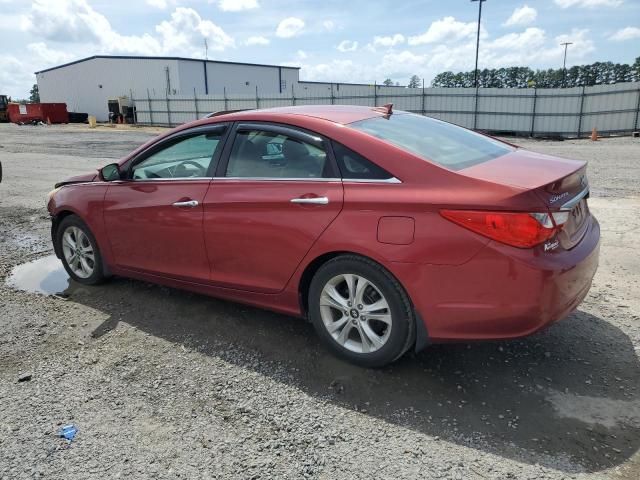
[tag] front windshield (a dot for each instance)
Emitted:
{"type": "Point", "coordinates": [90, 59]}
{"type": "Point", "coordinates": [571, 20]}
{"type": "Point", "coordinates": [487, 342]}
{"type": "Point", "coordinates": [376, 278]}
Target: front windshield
{"type": "Point", "coordinates": [439, 142]}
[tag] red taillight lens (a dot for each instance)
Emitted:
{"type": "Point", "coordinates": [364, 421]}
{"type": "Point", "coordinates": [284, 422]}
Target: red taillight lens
{"type": "Point", "coordinates": [522, 230]}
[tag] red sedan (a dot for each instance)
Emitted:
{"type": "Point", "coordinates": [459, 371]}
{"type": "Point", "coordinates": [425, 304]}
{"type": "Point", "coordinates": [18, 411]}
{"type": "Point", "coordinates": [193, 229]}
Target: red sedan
{"type": "Point", "coordinates": [385, 229]}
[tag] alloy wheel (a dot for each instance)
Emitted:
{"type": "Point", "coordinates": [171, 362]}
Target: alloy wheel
{"type": "Point", "coordinates": [78, 252]}
{"type": "Point", "coordinates": [355, 313]}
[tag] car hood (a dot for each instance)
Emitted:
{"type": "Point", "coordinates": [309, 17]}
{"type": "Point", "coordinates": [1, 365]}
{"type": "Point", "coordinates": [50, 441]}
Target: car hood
{"type": "Point", "coordinates": [85, 177]}
{"type": "Point", "coordinates": [524, 169]}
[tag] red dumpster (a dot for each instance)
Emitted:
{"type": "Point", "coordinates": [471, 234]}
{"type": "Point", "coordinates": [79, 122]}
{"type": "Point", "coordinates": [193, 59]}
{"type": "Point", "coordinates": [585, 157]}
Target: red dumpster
{"type": "Point", "coordinates": [52, 112]}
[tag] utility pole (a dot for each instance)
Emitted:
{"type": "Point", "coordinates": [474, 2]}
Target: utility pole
{"type": "Point", "coordinates": [206, 50]}
{"type": "Point", "coordinates": [475, 72]}
{"type": "Point", "coordinates": [564, 64]}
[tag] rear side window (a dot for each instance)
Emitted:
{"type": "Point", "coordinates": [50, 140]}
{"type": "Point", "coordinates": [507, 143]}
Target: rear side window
{"type": "Point", "coordinates": [355, 166]}
{"type": "Point", "coordinates": [266, 154]}
{"type": "Point", "coordinates": [442, 143]}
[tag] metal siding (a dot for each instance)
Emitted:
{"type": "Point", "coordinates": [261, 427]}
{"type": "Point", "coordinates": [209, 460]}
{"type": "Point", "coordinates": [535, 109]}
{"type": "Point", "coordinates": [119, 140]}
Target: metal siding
{"type": "Point", "coordinates": [77, 85]}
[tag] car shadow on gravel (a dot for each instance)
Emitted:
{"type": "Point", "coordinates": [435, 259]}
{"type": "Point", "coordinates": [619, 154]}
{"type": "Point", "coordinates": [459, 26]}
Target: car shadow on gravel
{"type": "Point", "coordinates": [566, 398]}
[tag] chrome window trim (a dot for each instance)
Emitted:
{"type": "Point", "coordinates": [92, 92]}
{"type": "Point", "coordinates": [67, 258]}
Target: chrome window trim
{"type": "Point", "coordinates": [278, 179]}
{"type": "Point", "coordinates": [392, 180]}
{"type": "Point", "coordinates": [575, 200]}
{"type": "Point", "coordinates": [168, 179]}
{"type": "Point", "coordinates": [372, 180]}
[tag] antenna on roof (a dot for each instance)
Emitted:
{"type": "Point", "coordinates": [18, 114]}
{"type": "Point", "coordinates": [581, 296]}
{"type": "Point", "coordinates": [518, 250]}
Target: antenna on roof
{"type": "Point", "coordinates": [387, 109]}
{"type": "Point", "coordinates": [206, 49]}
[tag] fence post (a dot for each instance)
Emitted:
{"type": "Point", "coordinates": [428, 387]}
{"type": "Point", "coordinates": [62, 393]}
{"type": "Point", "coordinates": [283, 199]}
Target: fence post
{"type": "Point", "coordinates": [375, 94]}
{"type": "Point", "coordinates": [581, 110]}
{"type": "Point", "coordinates": [475, 109]}
{"type": "Point", "coordinates": [533, 113]}
{"type": "Point", "coordinates": [133, 105]}
{"type": "Point", "coordinates": [635, 122]}
{"type": "Point", "coordinates": [226, 101]}
{"type": "Point", "coordinates": [257, 99]}
{"type": "Point", "coordinates": [333, 100]}
{"type": "Point", "coordinates": [293, 97]}
{"type": "Point", "coordinates": [424, 112]}
{"type": "Point", "coordinates": [195, 103]}
{"type": "Point", "coordinates": [150, 108]}
{"type": "Point", "coordinates": [168, 111]}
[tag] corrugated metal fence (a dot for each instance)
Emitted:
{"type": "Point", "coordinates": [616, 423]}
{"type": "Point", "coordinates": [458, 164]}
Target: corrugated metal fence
{"type": "Point", "coordinates": [568, 112]}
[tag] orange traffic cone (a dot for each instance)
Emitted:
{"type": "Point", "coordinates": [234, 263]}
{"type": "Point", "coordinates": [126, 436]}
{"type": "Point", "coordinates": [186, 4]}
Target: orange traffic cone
{"type": "Point", "coordinates": [594, 135]}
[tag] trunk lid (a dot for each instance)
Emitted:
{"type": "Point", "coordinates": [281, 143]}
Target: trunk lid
{"type": "Point", "coordinates": [559, 183]}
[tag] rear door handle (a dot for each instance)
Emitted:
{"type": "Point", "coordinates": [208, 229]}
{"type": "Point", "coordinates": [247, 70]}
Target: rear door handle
{"type": "Point", "coordinates": [312, 200]}
{"type": "Point", "coordinates": [186, 203]}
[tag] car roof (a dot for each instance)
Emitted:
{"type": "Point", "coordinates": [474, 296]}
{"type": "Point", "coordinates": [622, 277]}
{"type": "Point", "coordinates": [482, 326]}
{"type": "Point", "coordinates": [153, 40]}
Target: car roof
{"type": "Point", "coordinates": [342, 114]}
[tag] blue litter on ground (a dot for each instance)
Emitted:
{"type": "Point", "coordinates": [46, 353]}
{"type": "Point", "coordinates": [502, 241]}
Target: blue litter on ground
{"type": "Point", "coordinates": [68, 431]}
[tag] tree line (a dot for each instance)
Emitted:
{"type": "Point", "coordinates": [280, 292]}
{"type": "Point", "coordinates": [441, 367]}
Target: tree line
{"type": "Point", "coordinates": [598, 73]}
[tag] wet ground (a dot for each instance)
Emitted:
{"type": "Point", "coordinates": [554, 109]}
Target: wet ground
{"type": "Point", "coordinates": [168, 384]}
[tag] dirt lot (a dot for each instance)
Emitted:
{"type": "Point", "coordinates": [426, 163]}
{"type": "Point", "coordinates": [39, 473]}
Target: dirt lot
{"type": "Point", "coordinates": [167, 384]}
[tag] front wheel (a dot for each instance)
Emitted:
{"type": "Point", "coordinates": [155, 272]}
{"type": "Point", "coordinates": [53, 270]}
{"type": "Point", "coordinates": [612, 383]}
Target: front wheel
{"type": "Point", "coordinates": [361, 311]}
{"type": "Point", "coordinates": [80, 254]}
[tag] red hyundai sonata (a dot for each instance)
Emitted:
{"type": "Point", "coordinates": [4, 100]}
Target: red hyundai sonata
{"type": "Point", "coordinates": [387, 230]}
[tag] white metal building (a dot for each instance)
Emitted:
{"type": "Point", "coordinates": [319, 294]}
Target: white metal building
{"type": "Point", "coordinates": [85, 85]}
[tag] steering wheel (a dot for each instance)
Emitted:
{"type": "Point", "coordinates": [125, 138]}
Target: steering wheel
{"type": "Point", "coordinates": [181, 168]}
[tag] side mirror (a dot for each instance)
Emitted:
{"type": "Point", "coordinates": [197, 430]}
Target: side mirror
{"type": "Point", "coordinates": [110, 172]}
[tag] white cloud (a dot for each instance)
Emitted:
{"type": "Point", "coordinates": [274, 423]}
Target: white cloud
{"type": "Point", "coordinates": [161, 4]}
{"type": "Point", "coordinates": [524, 15]}
{"type": "Point", "coordinates": [328, 25]}
{"type": "Point", "coordinates": [66, 21]}
{"type": "Point", "coordinates": [46, 55]}
{"type": "Point", "coordinates": [257, 40]}
{"type": "Point", "coordinates": [347, 46]}
{"type": "Point", "coordinates": [446, 29]}
{"type": "Point", "coordinates": [627, 33]}
{"type": "Point", "coordinates": [290, 27]}
{"type": "Point", "coordinates": [301, 55]}
{"type": "Point", "coordinates": [588, 3]}
{"type": "Point", "coordinates": [186, 31]}
{"type": "Point", "coordinates": [388, 41]}
{"type": "Point", "coordinates": [237, 5]}
{"type": "Point", "coordinates": [75, 21]}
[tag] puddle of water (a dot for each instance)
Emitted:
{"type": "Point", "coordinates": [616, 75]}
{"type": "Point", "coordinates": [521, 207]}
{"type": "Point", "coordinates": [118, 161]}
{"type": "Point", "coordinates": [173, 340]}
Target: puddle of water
{"type": "Point", "coordinates": [45, 275]}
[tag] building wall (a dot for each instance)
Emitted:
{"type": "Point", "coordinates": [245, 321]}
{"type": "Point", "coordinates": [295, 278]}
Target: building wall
{"type": "Point", "coordinates": [86, 86]}
{"type": "Point", "coordinates": [244, 78]}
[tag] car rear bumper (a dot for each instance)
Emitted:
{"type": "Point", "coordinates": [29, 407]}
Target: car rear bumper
{"type": "Point", "coordinates": [502, 292]}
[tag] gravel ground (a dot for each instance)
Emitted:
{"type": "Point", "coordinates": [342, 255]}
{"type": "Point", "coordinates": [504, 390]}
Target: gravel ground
{"type": "Point", "coordinates": [168, 384]}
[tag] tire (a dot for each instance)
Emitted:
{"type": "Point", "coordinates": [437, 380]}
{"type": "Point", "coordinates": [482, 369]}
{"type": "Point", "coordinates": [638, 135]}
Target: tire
{"type": "Point", "coordinates": [375, 341]}
{"type": "Point", "coordinates": [90, 253]}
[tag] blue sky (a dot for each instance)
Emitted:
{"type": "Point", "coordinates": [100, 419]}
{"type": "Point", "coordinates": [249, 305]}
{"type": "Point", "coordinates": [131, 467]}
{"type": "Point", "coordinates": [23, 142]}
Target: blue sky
{"type": "Point", "coordinates": [339, 40]}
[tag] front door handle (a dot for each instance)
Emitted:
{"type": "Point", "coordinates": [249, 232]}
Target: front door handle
{"type": "Point", "coordinates": [312, 200]}
{"type": "Point", "coordinates": [186, 203]}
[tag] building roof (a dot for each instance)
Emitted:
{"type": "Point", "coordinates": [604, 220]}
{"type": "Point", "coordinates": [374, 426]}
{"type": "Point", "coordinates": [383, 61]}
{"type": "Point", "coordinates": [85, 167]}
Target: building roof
{"type": "Point", "coordinates": [140, 57]}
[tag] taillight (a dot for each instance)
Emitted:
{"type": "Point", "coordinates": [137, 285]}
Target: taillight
{"type": "Point", "coordinates": [522, 230]}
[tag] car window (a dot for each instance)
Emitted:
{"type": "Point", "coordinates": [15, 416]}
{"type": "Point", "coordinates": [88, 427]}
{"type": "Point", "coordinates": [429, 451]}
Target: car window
{"type": "Point", "coordinates": [442, 143]}
{"type": "Point", "coordinates": [187, 158]}
{"type": "Point", "coordinates": [262, 154]}
{"type": "Point", "coordinates": [353, 165]}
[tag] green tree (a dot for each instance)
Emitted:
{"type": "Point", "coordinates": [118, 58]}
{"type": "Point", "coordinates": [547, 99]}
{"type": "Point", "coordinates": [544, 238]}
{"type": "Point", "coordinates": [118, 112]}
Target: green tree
{"type": "Point", "coordinates": [414, 82]}
{"type": "Point", "coordinates": [388, 82]}
{"type": "Point", "coordinates": [34, 94]}
{"type": "Point", "coordinates": [598, 73]}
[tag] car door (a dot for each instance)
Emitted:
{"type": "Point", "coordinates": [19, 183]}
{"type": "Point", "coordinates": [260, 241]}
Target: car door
{"type": "Point", "coordinates": [154, 216]}
{"type": "Point", "coordinates": [276, 191]}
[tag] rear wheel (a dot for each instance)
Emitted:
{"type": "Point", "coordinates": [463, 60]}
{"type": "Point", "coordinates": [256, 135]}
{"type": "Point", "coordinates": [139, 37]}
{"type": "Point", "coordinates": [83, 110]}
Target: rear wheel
{"type": "Point", "coordinates": [80, 254]}
{"type": "Point", "coordinates": [361, 311]}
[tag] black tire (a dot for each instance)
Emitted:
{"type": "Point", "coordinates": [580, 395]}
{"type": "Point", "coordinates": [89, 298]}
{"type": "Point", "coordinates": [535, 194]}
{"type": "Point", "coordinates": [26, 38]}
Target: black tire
{"type": "Point", "coordinates": [98, 275]}
{"type": "Point", "coordinates": [402, 333]}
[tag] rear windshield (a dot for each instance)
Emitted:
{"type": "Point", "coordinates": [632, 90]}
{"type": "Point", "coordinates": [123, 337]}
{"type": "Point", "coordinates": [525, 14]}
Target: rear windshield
{"type": "Point", "coordinates": [439, 142]}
